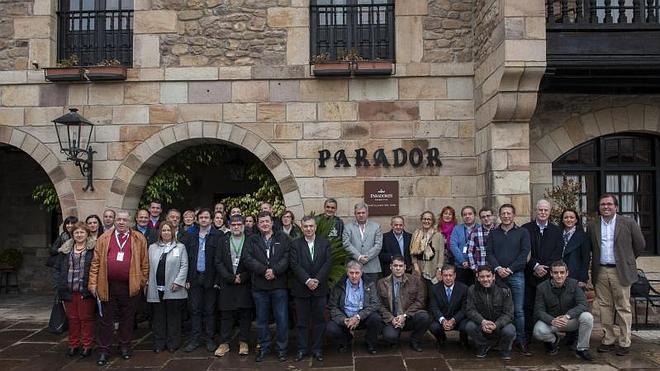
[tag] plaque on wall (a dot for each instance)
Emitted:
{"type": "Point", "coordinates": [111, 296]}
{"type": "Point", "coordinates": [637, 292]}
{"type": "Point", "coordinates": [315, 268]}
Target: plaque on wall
{"type": "Point", "coordinates": [382, 197]}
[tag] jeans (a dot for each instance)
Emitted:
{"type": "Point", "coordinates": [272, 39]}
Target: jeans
{"type": "Point", "coordinates": [279, 301]}
{"type": "Point", "coordinates": [584, 324]}
{"type": "Point", "coordinates": [503, 337]}
{"type": "Point", "coordinates": [516, 283]}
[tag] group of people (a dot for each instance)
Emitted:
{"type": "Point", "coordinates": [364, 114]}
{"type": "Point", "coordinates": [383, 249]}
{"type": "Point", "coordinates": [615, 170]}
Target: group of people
{"type": "Point", "coordinates": [496, 284]}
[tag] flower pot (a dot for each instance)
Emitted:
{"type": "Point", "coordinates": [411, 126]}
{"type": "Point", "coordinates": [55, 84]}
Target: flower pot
{"type": "Point", "coordinates": [106, 73]}
{"type": "Point", "coordinates": [56, 74]}
{"type": "Point", "coordinates": [373, 68]}
{"type": "Point", "coordinates": [332, 69]}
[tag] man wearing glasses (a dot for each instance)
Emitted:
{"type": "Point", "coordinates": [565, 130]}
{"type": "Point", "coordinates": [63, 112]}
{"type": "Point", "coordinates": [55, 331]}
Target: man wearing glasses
{"type": "Point", "coordinates": [476, 246]}
{"type": "Point", "coordinates": [616, 243]}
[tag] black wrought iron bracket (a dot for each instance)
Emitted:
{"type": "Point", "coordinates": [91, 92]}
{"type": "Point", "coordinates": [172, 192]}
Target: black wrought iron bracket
{"type": "Point", "coordinates": [86, 166]}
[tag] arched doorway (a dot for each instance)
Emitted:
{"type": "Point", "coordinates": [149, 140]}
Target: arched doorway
{"type": "Point", "coordinates": [28, 227]}
{"type": "Point", "coordinates": [133, 174]}
{"type": "Point", "coordinates": [624, 164]}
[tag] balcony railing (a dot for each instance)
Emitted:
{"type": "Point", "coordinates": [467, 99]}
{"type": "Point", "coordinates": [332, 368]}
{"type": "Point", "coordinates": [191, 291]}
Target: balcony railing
{"type": "Point", "coordinates": [604, 14]}
{"type": "Point", "coordinates": [96, 35]}
{"type": "Point", "coordinates": [338, 29]}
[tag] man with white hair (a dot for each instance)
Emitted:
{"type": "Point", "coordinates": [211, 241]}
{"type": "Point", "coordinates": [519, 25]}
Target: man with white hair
{"type": "Point", "coordinates": [546, 247]}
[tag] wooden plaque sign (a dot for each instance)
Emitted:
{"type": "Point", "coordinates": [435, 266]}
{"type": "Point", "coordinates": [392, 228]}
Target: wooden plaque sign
{"type": "Point", "coordinates": [382, 197]}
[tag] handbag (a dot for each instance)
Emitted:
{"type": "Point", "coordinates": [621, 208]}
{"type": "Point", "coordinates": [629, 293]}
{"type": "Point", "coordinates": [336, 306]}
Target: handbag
{"type": "Point", "coordinates": [58, 322]}
{"type": "Point", "coordinates": [641, 288]}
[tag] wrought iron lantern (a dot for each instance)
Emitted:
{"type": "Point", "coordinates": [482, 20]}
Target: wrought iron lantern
{"type": "Point", "coordinates": [74, 134]}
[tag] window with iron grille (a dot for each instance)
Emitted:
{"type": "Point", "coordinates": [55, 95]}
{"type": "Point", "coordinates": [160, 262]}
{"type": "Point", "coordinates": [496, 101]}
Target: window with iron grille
{"type": "Point", "coordinates": [339, 26]}
{"type": "Point", "coordinates": [95, 30]}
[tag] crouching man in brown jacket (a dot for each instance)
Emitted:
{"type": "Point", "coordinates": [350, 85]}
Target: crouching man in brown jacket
{"type": "Point", "coordinates": [119, 272]}
{"type": "Point", "coordinates": [403, 299]}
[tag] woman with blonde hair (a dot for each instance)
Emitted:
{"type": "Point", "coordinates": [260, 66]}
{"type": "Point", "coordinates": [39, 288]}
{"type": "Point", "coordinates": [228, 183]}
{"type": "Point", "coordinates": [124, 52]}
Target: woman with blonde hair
{"type": "Point", "coordinates": [427, 249]}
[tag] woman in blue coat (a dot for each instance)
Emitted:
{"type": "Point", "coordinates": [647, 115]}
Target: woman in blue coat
{"type": "Point", "coordinates": [577, 247]}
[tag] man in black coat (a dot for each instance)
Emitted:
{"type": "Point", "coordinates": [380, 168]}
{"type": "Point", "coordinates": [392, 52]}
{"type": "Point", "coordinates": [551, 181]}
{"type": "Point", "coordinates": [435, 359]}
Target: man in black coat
{"type": "Point", "coordinates": [201, 249]}
{"type": "Point", "coordinates": [447, 305]}
{"type": "Point", "coordinates": [546, 247]}
{"type": "Point", "coordinates": [267, 259]}
{"type": "Point", "coordinates": [233, 281]}
{"type": "Point", "coordinates": [311, 260]}
{"type": "Point", "coordinates": [395, 242]}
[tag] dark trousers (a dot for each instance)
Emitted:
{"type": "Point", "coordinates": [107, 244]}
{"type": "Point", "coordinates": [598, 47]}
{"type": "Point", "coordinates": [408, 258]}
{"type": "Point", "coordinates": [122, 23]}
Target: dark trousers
{"type": "Point", "coordinates": [439, 332]}
{"type": "Point", "coordinates": [227, 320]}
{"type": "Point", "coordinates": [465, 275]}
{"type": "Point", "coordinates": [278, 300]}
{"type": "Point", "coordinates": [371, 277]}
{"type": "Point", "coordinates": [307, 309]}
{"type": "Point", "coordinates": [503, 337]}
{"type": "Point", "coordinates": [418, 323]}
{"type": "Point", "coordinates": [528, 305]}
{"type": "Point", "coordinates": [341, 335]}
{"type": "Point", "coordinates": [202, 303]}
{"type": "Point", "coordinates": [166, 322]}
{"type": "Point", "coordinates": [122, 307]}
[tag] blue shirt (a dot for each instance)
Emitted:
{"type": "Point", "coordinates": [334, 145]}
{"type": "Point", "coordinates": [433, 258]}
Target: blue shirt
{"type": "Point", "coordinates": [458, 242]}
{"type": "Point", "coordinates": [201, 254]}
{"type": "Point", "coordinates": [399, 239]}
{"type": "Point", "coordinates": [142, 230]}
{"type": "Point", "coordinates": [354, 298]}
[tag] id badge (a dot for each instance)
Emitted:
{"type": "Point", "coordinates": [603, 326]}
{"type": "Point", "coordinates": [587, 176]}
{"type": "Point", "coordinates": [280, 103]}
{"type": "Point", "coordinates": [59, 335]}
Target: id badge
{"type": "Point", "coordinates": [236, 261]}
{"type": "Point", "coordinates": [120, 256]}
{"type": "Point", "coordinates": [176, 253]}
{"type": "Point", "coordinates": [465, 249]}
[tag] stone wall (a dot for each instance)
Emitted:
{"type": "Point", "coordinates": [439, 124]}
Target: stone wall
{"type": "Point", "coordinates": [222, 33]}
{"type": "Point", "coordinates": [448, 31]}
{"type": "Point", "coordinates": [13, 52]}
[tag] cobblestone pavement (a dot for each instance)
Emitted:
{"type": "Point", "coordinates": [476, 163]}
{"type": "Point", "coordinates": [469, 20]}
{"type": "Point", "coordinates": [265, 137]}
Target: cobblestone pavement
{"type": "Point", "coordinates": [26, 345]}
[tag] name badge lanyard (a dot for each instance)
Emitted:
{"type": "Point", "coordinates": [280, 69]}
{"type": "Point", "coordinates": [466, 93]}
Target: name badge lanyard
{"type": "Point", "coordinates": [120, 254]}
{"type": "Point", "coordinates": [237, 249]}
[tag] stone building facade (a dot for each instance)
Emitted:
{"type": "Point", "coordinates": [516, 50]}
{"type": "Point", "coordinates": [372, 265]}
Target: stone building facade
{"type": "Point", "coordinates": [238, 71]}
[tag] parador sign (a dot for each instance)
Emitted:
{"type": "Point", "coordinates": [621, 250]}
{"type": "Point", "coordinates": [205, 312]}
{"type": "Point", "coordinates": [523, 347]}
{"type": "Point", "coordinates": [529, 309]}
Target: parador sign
{"type": "Point", "coordinates": [397, 158]}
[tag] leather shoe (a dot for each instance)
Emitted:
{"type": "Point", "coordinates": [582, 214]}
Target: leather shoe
{"type": "Point", "coordinates": [191, 346]}
{"type": "Point", "coordinates": [371, 349]}
{"type": "Point", "coordinates": [605, 348]}
{"type": "Point", "coordinates": [622, 351]}
{"type": "Point", "coordinates": [414, 345]}
{"type": "Point", "coordinates": [261, 355]}
{"type": "Point", "coordinates": [71, 352]}
{"type": "Point", "coordinates": [126, 353]}
{"type": "Point", "coordinates": [281, 356]}
{"type": "Point", "coordinates": [318, 356]}
{"type": "Point", "coordinates": [102, 360]}
{"type": "Point", "coordinates": [86, 352]}
{"type": "Point", "coordinates": [343, 348]}
{"type": "Point", "coordinates": [299, 356]}
{"type": "Point", "coordinates": [523, 349]}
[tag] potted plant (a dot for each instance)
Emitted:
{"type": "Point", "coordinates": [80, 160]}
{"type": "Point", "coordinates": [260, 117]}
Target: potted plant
{"type": "Point", "coordinates": [107, 69]}
{"type": "Point", "coordinates": [67, 70]}
{"type": "Point", "coordinates": [373, 67]}
{"type": "Point", "coordinates": [323, 66]}
{"type": "Point", "coordinates": [11, 258]}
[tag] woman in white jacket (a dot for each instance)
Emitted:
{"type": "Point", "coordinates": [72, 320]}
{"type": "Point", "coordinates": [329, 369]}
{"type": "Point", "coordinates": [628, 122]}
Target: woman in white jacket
{"type": "Point", "coordinates": [166, 288]}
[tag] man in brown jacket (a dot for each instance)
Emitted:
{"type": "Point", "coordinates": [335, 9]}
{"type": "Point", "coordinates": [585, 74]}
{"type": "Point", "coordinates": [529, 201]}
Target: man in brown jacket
{"type": "Point", "coordinates": [119, 272]}
{"type": "Point", "coordinates": [616, 243]}
{"type": "Point", "coordinates": [403, 299]}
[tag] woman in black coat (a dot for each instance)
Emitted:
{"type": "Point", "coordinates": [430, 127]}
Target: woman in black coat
{"type": "Point", "coordinates": [577, 247]}
{"type": "Point", "coordinates": [233, 279]}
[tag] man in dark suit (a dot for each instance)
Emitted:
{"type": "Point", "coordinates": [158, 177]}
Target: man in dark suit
{"type": "Point", "coordinates": [311, 260]}
{"type": "Point", "coordinates": [447, 305]}
{"type": "Point", "coordinates": [395, 242]}
{"type": "Point", "coordinates": [616, 243]}
{"type": "Point", "coordinates": [546, 245]}
{"type": "Point", "coordinates": [267, 258]}
{"type": "Point", "coordinates": [201, 249]}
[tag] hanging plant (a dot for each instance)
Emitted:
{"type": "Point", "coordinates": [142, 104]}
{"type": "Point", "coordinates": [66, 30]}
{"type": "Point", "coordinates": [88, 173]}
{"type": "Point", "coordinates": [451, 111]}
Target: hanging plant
{"type": "Point", "coordinates": [45, 196]}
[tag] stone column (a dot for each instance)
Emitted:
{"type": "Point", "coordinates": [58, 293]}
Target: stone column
{"type": "Point", "coordinates": [509, 65]}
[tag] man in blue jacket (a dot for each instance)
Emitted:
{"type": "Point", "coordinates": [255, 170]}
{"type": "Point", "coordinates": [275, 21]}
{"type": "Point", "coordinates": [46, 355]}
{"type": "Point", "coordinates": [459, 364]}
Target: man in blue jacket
{"type": "Point", "coordinates": [458, 242]}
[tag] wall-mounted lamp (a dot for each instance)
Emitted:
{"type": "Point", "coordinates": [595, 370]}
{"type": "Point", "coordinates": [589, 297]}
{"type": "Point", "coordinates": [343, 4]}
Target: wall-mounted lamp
{"type": "Point", "coordinates": [74, 133]}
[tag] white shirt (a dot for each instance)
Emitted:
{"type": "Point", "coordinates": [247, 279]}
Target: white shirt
{"type": "Point", "coordinates": [607, 241]}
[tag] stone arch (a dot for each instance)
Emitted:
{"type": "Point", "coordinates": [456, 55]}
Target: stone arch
{"type": "Point", "coordinates": [45, 157]}
{"type": "Point", "coordinates": [134, 172]}
{"type": "Point", "coordinates": [546, 148]}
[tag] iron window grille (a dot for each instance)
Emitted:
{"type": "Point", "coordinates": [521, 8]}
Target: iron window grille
{"type": "Point", "coordinates": [339, 26]}
{"type": "Point", "coordinates": [95, 30]}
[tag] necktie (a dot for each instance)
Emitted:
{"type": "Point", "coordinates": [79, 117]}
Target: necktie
{"type": "Point", "coordinates": [448, 290]}
{"type": "Point", "coordinates": [311, 250]}
{"type": "Point", "coordinates": [122, 238]}
{"type": "Point", "coordinates": [566, 239]}
{"type": "Point", "coordinates": [395, 297]}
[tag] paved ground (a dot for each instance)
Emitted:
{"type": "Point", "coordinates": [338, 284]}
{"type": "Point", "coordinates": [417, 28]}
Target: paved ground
{"type": "Point", "coordinates": [25, 345]}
